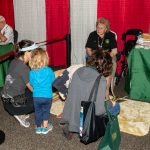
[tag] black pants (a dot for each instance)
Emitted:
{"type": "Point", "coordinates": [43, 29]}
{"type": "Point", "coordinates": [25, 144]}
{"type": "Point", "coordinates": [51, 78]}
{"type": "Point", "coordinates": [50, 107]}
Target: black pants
{"type": "Point", "coordinates": [24, 109]}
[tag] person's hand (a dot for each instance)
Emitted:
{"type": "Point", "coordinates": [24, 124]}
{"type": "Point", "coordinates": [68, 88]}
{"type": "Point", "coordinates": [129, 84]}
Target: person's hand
{"type": "Point", "coordinates": [89, 51]}
{"type": "Point", "coordinates": [2, 38]}
{"type": "Point", "coordinates": [29, 87]}
{"type": "Point", "coordinates": [113, 52]}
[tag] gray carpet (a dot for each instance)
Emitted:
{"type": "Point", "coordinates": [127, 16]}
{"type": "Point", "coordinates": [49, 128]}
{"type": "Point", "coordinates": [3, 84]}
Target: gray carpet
{"type": "Point", "coordinates": [20, 138]}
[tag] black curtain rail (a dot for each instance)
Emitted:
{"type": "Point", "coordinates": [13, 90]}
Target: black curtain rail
{"type": "Point", "coordinates": [67, 38]}
{"type": "Point", "coordinates": [47, 42]}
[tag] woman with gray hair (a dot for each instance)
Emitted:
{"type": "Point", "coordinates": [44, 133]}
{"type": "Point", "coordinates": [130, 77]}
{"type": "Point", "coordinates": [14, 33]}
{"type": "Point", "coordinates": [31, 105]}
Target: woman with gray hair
{"type": "Point", "coordinates": [6, 32]}
{"type": "Point", "coordinates": [6, 45]}
{"type": "Point", "coordinates": [102, 37]}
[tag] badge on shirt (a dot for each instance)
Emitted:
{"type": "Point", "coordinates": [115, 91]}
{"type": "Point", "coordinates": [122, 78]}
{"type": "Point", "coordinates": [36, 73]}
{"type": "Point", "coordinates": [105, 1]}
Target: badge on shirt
{"type": "Point", "coordinates": [107, 41]}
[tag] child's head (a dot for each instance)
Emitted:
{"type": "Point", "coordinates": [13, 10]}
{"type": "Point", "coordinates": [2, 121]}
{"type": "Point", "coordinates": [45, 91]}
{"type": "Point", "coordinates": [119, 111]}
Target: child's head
{"type": "Point", "coordinates": [38, 59]}
{"type": "Point", "coordinates": [24, 49]}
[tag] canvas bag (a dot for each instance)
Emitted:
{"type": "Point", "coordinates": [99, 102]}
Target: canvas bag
{"type": "Point", "coordinates": [93, 126]}
{"type": "Point", "coordinates": [112, 137]}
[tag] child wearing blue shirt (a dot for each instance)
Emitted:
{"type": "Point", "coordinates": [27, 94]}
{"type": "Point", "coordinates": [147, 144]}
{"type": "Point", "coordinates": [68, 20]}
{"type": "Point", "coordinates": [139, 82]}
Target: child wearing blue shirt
{"type": "Point", "coordinates": [41, 79]}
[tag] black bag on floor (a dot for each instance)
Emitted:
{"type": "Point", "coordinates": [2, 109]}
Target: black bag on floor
{"type": "Point", "coordinates": [92, 127]}
{"type": "Point", "coordinates": [16, 101]}
{"type": "Point", "coordinates": [20, 99]}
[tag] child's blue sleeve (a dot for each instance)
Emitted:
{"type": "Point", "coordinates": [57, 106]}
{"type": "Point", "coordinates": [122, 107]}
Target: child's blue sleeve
{"type": "Point", "coordinates": [52, 75]}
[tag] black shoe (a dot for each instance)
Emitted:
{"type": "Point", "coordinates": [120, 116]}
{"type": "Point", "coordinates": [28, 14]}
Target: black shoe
{"type": "Point", "coordinates": [66, 133]}
{"type": "Point", "coordinates": [2, 137]}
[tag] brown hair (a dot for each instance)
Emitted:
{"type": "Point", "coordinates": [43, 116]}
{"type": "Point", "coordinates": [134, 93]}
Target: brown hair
{"type": "Point", "coordinates": [39, 58]}
{"type": "Point", "coordinates": [102, 61]}
{"type": "Point", "coordinates": [103, 21]}
{"type": "Point", "coordinates": [20, 45]}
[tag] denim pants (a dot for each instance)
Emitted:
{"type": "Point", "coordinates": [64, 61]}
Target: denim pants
{"type": "Point", "coordinates": [42, 109]}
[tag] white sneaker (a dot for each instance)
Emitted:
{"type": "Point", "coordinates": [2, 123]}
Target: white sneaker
{"type": "Point", "coordinates": [62, 96]}
{"type": "Point", "coordinates": [26, 116]}
{"type": "Point", "coordinates": [22, 120]}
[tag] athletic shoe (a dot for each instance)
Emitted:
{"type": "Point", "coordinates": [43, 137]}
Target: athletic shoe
{"type": "Point", "coordinates": [62, 96]}
{"type": "Point", "coordinates": [2, 136]}
{"type": "Point", "coordinates": [22, 121]}
{"type": "Point", "coordinates": [38, 130]}
{"type": "Point", "coordinates": [46, 130]}
{"type": "Point", "coordinates": [26, 116]}
{"type": "Point", "coordinates": [66, 133]}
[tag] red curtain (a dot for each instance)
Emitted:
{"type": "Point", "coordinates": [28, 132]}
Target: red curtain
{"type": "Point", "coordinates": [57, 26]}
{"type": "Point", "coordinates": [125, 14]}
{"type": "Point", "coordinates": [7, 10]}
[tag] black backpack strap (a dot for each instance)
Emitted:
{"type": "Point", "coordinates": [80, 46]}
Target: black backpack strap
{"type": "Point", "coordinates": [95, 89]}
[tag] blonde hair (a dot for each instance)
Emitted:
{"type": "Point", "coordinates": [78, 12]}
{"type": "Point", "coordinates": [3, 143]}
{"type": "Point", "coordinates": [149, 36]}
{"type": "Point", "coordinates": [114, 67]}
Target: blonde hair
{"type": "Point", "coordinates": [103, 21]}
{"type": "Point", "coordinates": [39, 58]}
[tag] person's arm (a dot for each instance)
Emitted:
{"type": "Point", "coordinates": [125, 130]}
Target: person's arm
{"type": "Point", "coordinates": [7, 36]}
{"type": "Point", "coordinates": [89, 44]}
{"type": "Point", "coordinates": [59, 73]}
{"type": "Point", "coordinates": [89, 51]}
{"type": "Point", "coordinates": [113, 45]}
{"type": "Point", "coordinates": [29, 86]}
{"type": "Point", "coordinates": [113, 52]}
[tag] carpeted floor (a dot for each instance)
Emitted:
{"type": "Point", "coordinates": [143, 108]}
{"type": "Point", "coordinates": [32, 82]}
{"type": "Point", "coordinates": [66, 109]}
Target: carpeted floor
{"type": "Point", "coordinates": [20, 138]}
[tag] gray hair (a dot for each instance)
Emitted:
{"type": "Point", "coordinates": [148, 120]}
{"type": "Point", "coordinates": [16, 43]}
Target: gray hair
{"type": "Point", "coordinates": [2, 19]}
{"type": "Point", "coordinates": [103, 21]}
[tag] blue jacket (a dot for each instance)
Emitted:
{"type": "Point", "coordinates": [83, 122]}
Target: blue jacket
{"type": "Point", "coordinates": [41, 80]}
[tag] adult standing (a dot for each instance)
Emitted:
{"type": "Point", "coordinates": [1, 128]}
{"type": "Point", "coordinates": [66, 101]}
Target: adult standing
{"type": "Point", "coordinates": [106, 39]}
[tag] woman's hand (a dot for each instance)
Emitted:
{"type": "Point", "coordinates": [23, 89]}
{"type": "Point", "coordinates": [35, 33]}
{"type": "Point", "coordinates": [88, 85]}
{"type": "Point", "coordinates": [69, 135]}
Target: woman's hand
{"type": "Point", "coordinates": [29, 86]}
{"type": "Point", "coordinates": [2, 38]}
{"type": "Point", "coordinates": [113, 52]}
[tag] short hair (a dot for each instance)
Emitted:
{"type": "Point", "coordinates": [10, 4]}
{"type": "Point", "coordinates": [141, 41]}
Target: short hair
{"type": "Point", "coordinates": [101, 61]}
{"type": "Point", "coordinates": [103, 21]}
{"type": "Point", "coordinates": [39, 58]}
{"type": "Point", "coordinates": [2, 19]}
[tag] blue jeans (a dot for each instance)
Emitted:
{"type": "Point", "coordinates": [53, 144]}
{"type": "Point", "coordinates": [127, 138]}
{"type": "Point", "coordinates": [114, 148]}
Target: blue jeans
{"type": "Point", "coordinates": [42, 109]}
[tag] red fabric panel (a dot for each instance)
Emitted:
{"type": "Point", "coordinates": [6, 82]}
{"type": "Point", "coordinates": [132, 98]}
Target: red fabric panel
{"type": "Point", "coordinates": [57, 26]}
{"type": "Point", "coordinates": [7, 10]}
{"type": "Point", "coordinates": [125, 14]}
